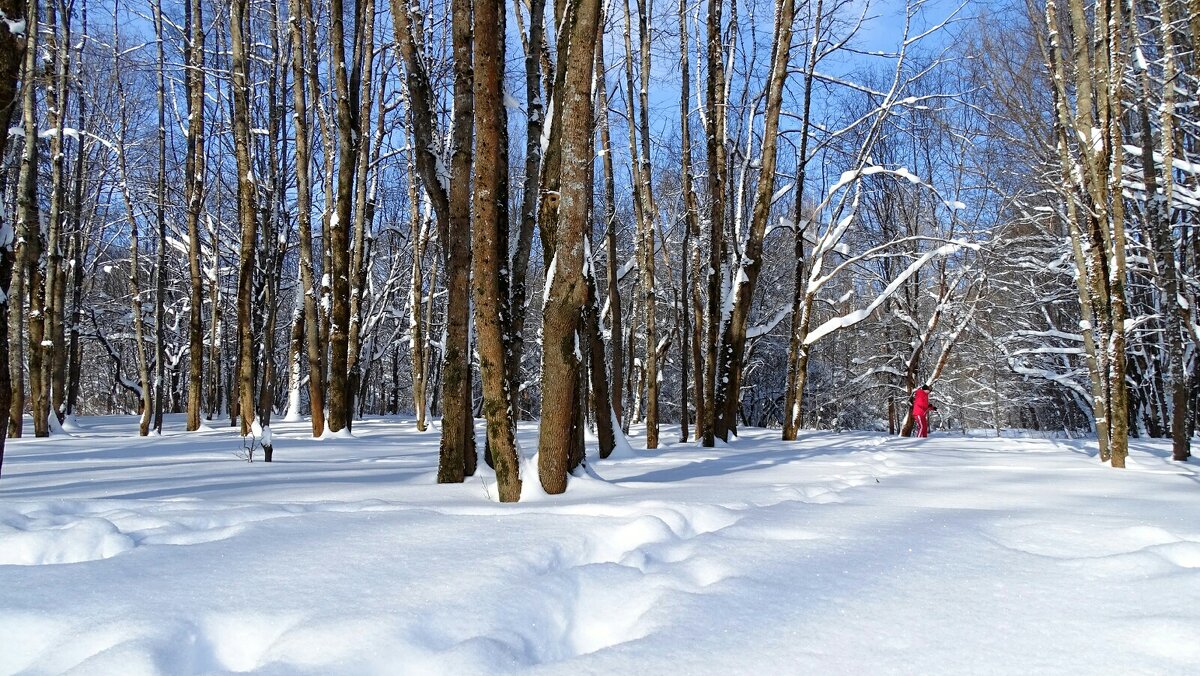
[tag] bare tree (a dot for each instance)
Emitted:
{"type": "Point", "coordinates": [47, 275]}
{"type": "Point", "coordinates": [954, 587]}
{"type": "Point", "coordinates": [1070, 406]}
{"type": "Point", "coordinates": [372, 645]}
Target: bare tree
{"type": "Point", "coordinates": [247, 217]}
{"type": "Point", "coordinates": [733, 343]}
{"type": "Point", "coordinates": [12, 58]}
{"type": "Point", "coordinates": [566, 292]}
{"type": "Point", "coordinates": [1091, 174]}
{"type": "Point", "coordinates": [490, 246]}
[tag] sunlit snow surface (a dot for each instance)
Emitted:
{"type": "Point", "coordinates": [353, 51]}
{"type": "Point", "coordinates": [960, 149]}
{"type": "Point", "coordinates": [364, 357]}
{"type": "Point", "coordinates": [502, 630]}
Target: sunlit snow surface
{"type": "Point", "coordinates": [844, 553]}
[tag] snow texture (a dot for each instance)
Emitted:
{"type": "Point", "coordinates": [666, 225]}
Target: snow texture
{"type": "Point", "coordinates": [851, 553]}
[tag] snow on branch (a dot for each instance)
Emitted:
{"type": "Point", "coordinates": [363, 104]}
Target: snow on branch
{"type": "Point", "coordinates": [857, 316]}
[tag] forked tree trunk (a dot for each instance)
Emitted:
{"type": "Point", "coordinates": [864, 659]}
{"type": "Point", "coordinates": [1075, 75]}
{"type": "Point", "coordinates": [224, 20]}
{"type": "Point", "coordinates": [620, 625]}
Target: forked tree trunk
{"type": "Point", "coordinates": [733, 345]}
{"type": "Point", "coordinates": [29, 248]}
{"type": "Point", "coordinates": [298, 13]}
{"type": "Point", "coordinates": [349, 132]}
{"type": "Point", "coordinates": [567, 293]}
{"type": "Point", "coordinates": [794, 392]}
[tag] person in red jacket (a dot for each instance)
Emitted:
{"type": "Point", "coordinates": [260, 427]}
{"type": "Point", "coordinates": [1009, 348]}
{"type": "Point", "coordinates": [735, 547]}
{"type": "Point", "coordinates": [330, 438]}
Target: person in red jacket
{"type": "Point", "coordinates": [921, 408]}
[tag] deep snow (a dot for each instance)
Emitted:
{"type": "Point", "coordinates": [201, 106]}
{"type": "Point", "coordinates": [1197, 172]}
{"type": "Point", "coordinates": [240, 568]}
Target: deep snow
{"type": "Point", "coordinates": [848, 553]}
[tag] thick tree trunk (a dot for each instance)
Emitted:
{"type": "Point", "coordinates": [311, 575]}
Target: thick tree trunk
{"type": "Point", "coordinates": [490, 246]}
{"type": "Point", "coordinates": [457, 458]}
{"type": "Point", "coordinates": [567, 293]}
{"type": "Point", "coordinates": [349, 134]}
{"type": "Point", "coordinates": [12, 58]}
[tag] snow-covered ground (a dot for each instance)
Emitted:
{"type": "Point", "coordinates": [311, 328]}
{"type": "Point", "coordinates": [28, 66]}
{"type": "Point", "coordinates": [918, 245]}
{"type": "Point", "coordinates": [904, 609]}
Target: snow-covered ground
{"type": "Point", "coordinates": [847, 553]}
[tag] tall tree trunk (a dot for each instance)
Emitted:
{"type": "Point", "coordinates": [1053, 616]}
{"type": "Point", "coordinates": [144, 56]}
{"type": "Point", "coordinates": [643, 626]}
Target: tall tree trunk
{"type": "Point", "coordinates": [29, 233]}
{"type": "Point", "coordinates": [534, 127]}
{"type": "Point", "coordinates": [419, 226]}
{"type": "Point", "coordinates": [160, 218]}
{"type": "Point", "coordinates": [794, 393]}
{"type": "Point", "coordinates": [616, 329]}
{"type": "Point", "coordinates": [457, 458]}
{"type": "Point", "coordinates": [364, 209]}
{"type": "Point", "coordinates": [567, 292]}
{"type": "Point", "coordinates": [733, 346]}
{"type": "Point", "coordinates": [12, 58]}
{"type": "Point", "coordinates": [715, 103]}
{"type": "Point", "coordinates": [646, 236]}
{"type": "Point", "coordinates": [247, 197]}
{"type": "Point", "coordinates": [195, 167]}
{"type": "Point", "coordinates": [645, 216]}
{"type": "Point", "coordinates": [349, 134]}
{"type": "Point", "coordinates": [146, 402]}
{"type": "Point", "coordinates": [74, 354]}
{"type": "Point", "coordinates": [57, 100]}
{"type": "Point", "coordinates": [690, 310]}
{"type": "Point", "coordinates": [298, 13]}
{"type": "Point", "coordinates": [490, 245]}
{"type": "Point", "coordinates": [1158, 217]}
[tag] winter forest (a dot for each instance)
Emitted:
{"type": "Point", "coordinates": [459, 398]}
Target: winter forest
{"type": "Point", "coordinates": [699, 217]}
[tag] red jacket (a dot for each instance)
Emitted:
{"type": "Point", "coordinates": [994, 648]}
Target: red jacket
{"type": "Point", "coordinates": [921, 405]}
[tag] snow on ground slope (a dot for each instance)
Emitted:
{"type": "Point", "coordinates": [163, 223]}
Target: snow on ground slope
{"type": "Point", "coordinates": [844, 553]}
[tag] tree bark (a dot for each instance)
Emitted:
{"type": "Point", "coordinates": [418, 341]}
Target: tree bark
{"type": "Point", "coordinates": [30, 243]}
{"type": "Point", "coordinates": [793, 395]}
{"type": "Point", "coordinates": [733, 346]}
{"type": "Point", "coordinates": [12, 58]}
{"type": "Point", "coordinates": [534, 127]}
{"type": "Point", "coordinates": [349, 133]}
{"type": "Point", "coordinates": [195, 169]}
{"type": "Point", "coordinates": [457, 459]}
{"type": "Point", "coordinates": [616, 328]}
{"type": "Point", "coordinates": [567, 292]}
{"type": "Point", "coordinates": [490, 246]}
{"type": "Point", "coordinates": [247, 217]}
{"type": "Point", "coordinates": [299, 12]}
{"type": "Point", "coordinates": [715, 103]}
